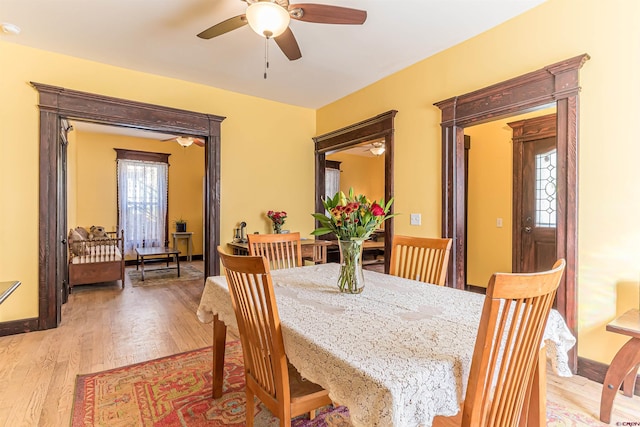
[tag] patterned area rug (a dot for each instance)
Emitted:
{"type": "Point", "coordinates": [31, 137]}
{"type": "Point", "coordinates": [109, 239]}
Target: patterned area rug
{"type": "Point", "coordinates": [176, 391]}
{"type": "Point", "coordinates": [164, 276]}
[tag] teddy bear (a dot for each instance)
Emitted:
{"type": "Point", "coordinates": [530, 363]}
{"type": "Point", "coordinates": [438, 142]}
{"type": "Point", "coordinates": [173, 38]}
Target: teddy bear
{"type": "Point", "coordinates": [97, 232]}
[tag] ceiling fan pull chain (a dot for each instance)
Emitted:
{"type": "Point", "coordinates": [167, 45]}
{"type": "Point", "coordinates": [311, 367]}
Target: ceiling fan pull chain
{"type": "Point", "coordinates": [266, 56]}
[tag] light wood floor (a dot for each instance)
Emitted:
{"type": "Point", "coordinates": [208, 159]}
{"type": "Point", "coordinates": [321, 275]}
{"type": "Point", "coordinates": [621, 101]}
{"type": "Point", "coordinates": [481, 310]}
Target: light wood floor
{"type": "Point", "coordinates": [104, 327]}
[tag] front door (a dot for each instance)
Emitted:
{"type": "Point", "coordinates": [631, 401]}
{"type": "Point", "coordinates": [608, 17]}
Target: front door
{"type": "Point", "coordinates": [538, 231]}
{"type": "Point", "coordinates": [534, 194]}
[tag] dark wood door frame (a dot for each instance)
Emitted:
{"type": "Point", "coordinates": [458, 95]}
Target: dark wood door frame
{"type": "Point", "coordinates": [380, 126]}
{"type": "Point", "coordinates": [57, 103]}
{"type": "Point", "coordinates": [555, 84]}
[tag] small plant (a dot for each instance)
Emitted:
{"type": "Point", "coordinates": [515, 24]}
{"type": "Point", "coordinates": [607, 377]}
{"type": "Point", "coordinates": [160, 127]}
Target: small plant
{"type": "Point", "coordinates": [181, 225]}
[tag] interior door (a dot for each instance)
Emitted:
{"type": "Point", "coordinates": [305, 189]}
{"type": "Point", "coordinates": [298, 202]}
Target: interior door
{"type": "Point", "coordinates": [62, 290]}
{"type": "Point", "coordinates": [539, 206]}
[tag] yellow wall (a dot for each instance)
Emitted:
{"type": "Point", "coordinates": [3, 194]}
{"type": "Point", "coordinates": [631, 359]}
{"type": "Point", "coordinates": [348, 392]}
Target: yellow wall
{"type": "Point", "coordinates": [258, 136]}
{"type": "Point", "coordinates": [609, 195]}
{"type": "Point", "coordinates": [364, 174]}
{"type": "Point", "coordinates": [97, 182]}
{"type": "Point", "coordinates": [490, 198]}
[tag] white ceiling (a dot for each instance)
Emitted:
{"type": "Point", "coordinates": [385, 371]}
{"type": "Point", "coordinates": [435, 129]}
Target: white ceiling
{"type": "Point", "coordinates": [159, 37]}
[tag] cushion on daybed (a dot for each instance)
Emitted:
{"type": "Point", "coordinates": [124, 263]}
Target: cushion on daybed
{"type": "Point", "coordinates": [74, 238]}
{"type": "Point", "coordinates": [82, 232]}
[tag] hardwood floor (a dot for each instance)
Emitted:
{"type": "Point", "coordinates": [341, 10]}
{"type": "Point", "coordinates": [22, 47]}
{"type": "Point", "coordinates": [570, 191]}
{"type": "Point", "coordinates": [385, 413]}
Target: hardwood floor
{"type": "Point", "coordinates": [104, 326]}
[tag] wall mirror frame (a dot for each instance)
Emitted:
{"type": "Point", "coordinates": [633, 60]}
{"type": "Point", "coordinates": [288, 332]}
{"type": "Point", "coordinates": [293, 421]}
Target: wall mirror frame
{"type": "Point", "coordinates": [554, 84]}
{"type": "Point", "coordinates": [56, 105]}
{"type": "Point", "coordinates": [378, 127]}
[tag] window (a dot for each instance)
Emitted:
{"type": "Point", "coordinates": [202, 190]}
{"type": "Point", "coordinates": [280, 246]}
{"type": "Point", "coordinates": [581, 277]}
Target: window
{"type": "Point", "coordinates": [142, 198]}
{"type": "Point", "coordinates": [331, 178]}
{"type": "Point", "coordinates": [546, 194]}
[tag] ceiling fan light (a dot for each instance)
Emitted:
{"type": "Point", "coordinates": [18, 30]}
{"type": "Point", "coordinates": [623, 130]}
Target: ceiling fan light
{"type": "Point", "coordinates": [377, 151]}
{"type": "Point", "coordinates": [267, 19]}
{"type": "Point", "coordinates": [185, 141]}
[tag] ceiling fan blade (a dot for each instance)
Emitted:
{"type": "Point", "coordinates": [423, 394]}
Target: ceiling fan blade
{"type": "Point", "coordinates": [326, 14]}
{"type": "Point", "coordinates": [288, 44]}
{"type": "Point", "coordinates": [199, 142]}
{"type": "Point", "coordinates": [224, 27]}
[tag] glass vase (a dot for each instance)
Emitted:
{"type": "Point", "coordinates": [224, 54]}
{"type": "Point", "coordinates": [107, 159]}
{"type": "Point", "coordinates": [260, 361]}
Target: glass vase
{"type": "Point", "coordinates": [351, 278]}
{"type": "Point", "coordinates": [277, 228]}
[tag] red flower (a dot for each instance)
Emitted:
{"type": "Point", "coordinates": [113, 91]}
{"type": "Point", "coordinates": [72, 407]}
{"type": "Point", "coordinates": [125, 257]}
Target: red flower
{"type": "Point", "coordinates": [277, 217]}
{"type": "Point", "coordinates": [376, 210]}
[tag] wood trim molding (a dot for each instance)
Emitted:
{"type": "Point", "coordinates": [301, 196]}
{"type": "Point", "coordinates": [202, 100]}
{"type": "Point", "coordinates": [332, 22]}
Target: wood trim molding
{"type": "Point", "coordinates": [332, 164]}
{"type": "Point", "coordinates": [554, 84]}
{"type": "Point", "coordinates": [143, 156]}
{"type": "Point", "coordinates": [57, 103]}
{"type": "Point", "coordinates": [380, 126]}
{"type": "Point", "coordinates": [18, 326]}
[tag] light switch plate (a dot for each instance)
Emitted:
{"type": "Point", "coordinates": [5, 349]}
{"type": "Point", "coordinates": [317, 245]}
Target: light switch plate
{"type": "Point", "coordinates": [415, 219]}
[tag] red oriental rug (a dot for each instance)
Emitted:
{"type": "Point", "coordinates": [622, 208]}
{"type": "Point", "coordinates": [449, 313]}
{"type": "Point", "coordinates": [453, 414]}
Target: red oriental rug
{"type": "Point", "coordinates": [176, 391]}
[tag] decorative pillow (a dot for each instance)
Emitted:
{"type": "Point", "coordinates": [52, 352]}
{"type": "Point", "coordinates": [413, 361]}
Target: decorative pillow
{"type": "Point", "coordinates": [97, 232]}
{"type": "Point", "coordinates": [74, 240]}
{"type": "Point", "coordinates": [82, 232]}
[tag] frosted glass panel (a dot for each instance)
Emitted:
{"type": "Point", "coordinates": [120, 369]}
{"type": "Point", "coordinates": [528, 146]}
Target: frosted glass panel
{"type": "Point", "coordinates": [546, 189]}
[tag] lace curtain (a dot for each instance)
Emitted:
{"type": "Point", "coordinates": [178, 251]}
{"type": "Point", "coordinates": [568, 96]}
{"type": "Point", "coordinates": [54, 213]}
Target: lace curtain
{"type": "Point", "coordinates": [142, 204]}
{"type": "Point", "coordinates": [331, 181]}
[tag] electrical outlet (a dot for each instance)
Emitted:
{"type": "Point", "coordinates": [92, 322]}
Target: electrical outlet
{"type": "Point", "coordinates": [499, 222]}
{"type": "Point", "coordinates": [415, 219]}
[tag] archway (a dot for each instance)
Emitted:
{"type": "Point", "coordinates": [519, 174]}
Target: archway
{"type": "Point", "coordinates": [57, 104]}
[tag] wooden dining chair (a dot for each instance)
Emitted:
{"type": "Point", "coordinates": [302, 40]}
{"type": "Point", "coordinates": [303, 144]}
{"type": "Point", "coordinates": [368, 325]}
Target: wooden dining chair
{"type": "Point", "coordinates": [420, 258]}
{"type": "Point", "coordinates": [280, 250]}
{"type": "Point", "coordinates": [268, 374]}
{"type": "Point", "coordinates": [506, 353]}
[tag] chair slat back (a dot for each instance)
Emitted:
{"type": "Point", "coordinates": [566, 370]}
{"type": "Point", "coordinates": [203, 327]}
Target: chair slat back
{"type": "Point", "coordinates": [420, 258]}
{"type": "Point", "coordinates": [514, 316]}
{"type": "Point", "coordinates": [256, 312]}
{"type": "Point", "coordinates": [280, 250]}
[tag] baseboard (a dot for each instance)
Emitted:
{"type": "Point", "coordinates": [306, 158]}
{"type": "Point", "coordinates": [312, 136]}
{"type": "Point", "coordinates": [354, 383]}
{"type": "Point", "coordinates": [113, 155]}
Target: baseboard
{"type": "Point", "coordinates": [476, 289]}
{"type": "Point", "coordinates": [596, 371]}
{"type": "Point", "coordinates": [14, 327]}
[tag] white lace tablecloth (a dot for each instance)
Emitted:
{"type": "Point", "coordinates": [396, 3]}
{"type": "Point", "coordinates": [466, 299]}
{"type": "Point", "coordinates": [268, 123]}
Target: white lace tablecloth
{"type": "Point", "coordinates": [396, 355]}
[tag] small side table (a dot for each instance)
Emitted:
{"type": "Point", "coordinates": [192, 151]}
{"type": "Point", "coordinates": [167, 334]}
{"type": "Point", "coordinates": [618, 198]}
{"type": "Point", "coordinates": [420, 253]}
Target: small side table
{"type": "Point", "coordinates": [183, 235]}
{"type": "Point", "coordinates": [624, 366]}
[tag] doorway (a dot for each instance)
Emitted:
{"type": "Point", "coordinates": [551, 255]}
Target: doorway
{"type": "Point", "coordinates": [57, 104]}
{"type": "Point", "coordinates": [535, 195]}
{"type": "Point", "coordinates": [554, 84]}
{"type": "Point", "coordinates": [379, 128]}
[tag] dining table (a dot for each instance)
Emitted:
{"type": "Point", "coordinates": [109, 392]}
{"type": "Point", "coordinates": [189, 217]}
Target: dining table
{"type": "Point", "coordinates": [397, 354]}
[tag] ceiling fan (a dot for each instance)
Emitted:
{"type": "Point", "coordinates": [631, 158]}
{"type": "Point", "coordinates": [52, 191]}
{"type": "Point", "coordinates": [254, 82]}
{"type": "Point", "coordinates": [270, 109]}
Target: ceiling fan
{"type": "Point", "coordinates": [376, 148]}
{"type": "Point", "coordinates": [270, 19]}
{"type": "Point", "coordinates": [186, 141]}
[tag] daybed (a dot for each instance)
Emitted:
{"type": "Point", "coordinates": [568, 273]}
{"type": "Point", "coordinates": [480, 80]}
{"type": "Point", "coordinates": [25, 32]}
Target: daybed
{"type": "Point", "coordinates": [95, 259]}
